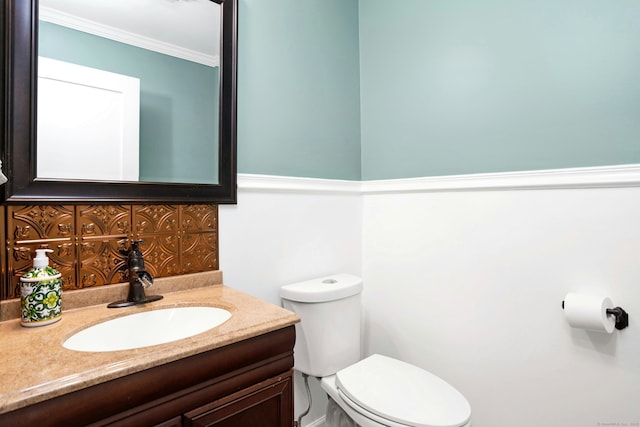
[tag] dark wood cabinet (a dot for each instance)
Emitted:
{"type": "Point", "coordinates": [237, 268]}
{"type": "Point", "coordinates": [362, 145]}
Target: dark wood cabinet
{"type": "Point", "coordinates": [173, 422]}
{"type": "Point", "coordinates": [265, 404]}
{"type": "Point", "coordinates": [248, 383]}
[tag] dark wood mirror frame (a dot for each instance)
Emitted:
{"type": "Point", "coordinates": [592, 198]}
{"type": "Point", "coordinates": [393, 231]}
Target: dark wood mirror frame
{"type": "Point", "coordinates": [18, 52]}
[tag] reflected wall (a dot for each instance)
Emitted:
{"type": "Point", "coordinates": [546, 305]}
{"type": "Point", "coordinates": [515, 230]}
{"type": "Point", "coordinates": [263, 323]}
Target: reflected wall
{"type": "Point", "coordinates": [178, 120]}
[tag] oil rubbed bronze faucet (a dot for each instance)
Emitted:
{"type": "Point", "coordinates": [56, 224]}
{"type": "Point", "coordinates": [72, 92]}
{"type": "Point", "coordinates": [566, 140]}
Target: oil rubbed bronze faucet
{"type": "Point", "coordinates": [139, 280]}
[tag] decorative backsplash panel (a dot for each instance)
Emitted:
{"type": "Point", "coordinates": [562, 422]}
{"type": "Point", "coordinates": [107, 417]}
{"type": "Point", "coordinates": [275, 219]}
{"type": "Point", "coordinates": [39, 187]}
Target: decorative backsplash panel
{"type": "Point", "coordinates": [90, 242]}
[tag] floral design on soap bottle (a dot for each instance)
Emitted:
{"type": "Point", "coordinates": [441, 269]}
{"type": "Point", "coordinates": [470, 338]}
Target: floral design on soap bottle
{"type": "Point", "coordinates": [41, 292]}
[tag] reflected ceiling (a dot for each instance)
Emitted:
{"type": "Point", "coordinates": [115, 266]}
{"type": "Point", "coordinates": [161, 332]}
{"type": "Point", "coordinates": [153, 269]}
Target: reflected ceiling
{"type": "Point", "coordinates": [184, 23]}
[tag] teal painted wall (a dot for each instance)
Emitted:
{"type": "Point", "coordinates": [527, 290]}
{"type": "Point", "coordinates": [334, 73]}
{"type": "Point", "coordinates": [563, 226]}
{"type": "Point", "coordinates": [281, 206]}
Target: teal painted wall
{"type": "Point", "coordinates": [298, 88]}
{"type": "Point", "coordinates": [177, 118]}
{"type": "Point", "coordinates": [373, 89]}
{"type": "Point", "coordinates": [456, 87]}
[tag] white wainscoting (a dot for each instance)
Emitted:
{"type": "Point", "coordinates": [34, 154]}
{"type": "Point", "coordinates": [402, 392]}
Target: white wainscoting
{"type": "Point", "coordinates": [280, 235]}
{"type": "Point", "coordinates": [465, 281]}
{"type": "Point", "coordinates": [468, 284]}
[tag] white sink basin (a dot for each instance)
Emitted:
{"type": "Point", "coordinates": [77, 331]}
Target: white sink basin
{"type": "Point", "coordinates": [147, 328]}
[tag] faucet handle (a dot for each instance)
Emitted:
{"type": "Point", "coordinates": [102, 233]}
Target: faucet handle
{"type": "Point", "coordinates": [128, 247]}
{"type": "Point", "coordinates": [145, 278]}
{"type": "Point", "coordinates": [135, 246]}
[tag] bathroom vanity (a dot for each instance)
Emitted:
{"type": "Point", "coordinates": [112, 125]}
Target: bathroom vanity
{"type": "Point", "coordinates": [236, 374]}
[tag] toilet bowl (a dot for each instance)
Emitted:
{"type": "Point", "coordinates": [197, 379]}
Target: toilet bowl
{"type": "Point", "coordinates": [382, 391]}
{"type": "Point", "coordinates": [336, 416]}
{"type": "Point", "coordinates": [377, 390]}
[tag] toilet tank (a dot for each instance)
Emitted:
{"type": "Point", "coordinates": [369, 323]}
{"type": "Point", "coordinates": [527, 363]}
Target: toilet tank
{"type": "Point", "coordinates": [328, 335]}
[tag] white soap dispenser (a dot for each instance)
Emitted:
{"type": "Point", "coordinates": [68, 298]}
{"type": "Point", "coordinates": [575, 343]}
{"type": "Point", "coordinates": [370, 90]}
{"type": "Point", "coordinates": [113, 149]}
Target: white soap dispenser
{"type": "Point", "coordinates": [41, 292]}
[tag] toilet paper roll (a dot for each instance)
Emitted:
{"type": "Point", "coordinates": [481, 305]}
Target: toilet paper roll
{"type": "Point", "coordinates": [589, 312]}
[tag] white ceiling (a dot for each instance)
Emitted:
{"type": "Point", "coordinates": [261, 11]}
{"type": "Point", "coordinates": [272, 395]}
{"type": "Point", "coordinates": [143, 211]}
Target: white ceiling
{"type": "Point", "coordinates": [189, 24]}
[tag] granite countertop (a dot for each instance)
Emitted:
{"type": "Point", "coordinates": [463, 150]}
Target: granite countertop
{"type": "Point", "coordinates": [36, 367]}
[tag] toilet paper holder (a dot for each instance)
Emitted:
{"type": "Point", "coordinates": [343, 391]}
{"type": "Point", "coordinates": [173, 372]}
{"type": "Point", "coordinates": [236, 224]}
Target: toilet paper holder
{"type": "Point", "coordinates": [622, 317]}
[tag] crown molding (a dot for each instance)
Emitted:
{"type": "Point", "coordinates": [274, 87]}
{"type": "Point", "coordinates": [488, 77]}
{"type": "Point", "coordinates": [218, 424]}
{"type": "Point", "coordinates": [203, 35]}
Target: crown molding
{"type": "Point", "coordinates": [76, 23]}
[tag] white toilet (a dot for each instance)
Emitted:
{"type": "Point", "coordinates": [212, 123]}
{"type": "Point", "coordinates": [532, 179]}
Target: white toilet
{"type": "Point", "coordinates": [373, 392]}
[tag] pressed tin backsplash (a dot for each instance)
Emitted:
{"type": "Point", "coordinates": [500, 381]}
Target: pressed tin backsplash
{"type": "Point", "coordinates": [90, 242]}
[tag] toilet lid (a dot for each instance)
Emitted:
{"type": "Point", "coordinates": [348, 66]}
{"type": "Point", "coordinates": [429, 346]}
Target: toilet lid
{"type": "Point", "coordinates": [403, 393]}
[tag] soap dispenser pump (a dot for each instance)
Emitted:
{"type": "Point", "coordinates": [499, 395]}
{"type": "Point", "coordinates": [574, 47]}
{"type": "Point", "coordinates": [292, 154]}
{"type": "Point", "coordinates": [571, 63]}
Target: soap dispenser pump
{"type": "Point", "coordinates": [40, 293]}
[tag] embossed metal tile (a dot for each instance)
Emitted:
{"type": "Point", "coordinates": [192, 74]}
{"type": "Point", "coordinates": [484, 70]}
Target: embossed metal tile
{"type": "Point", "coordinates": [90, 242]}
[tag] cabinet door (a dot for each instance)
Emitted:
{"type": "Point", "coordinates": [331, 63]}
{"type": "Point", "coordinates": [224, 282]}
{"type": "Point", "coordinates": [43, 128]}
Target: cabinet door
{"type": "Point", "coordinates": [267, 404]}
{"type": "Point", "coordinates": [173, 422]}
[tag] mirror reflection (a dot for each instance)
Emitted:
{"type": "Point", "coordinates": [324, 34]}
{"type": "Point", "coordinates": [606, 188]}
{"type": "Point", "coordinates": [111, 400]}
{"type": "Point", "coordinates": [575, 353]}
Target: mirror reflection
{"type": "Point", "coordinates": [128, 90]}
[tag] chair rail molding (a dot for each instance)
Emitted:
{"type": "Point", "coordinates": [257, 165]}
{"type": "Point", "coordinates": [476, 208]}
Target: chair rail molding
{"type": "Point", "coordinates": [292, 184]}
{"type": "Point", "coordinates": [568, 178]}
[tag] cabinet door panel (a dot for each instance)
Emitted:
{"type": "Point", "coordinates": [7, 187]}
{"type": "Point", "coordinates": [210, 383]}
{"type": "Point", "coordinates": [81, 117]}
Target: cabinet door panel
{"type": "Point", "coordinates": [263, 414]}
{"type": "Point", "coordinates": [174, 422]}
{"type": "Point", "coordinates": [268, 404]}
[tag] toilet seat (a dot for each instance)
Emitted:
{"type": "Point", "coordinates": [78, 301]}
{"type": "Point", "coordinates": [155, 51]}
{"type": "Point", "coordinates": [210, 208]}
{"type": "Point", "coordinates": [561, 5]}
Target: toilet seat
{"type": "Point", "coordinates": [390, 391]}
{"type": "Point", "coordinates": [371, 418]}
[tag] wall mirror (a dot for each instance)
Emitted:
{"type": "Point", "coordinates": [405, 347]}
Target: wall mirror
{"type": "Point", "coordinates": [129, 101]}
